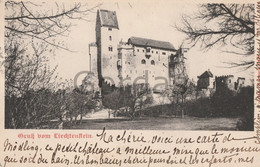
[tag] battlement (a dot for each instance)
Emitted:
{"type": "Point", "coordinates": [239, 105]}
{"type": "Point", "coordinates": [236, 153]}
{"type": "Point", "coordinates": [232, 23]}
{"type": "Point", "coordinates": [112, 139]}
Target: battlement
{"type": "Point", "coordinates": [124, 45]}
{"type": "Point", "coordinates": [241, 78]}
{"type": "Point", "coordinates": [224, 76]}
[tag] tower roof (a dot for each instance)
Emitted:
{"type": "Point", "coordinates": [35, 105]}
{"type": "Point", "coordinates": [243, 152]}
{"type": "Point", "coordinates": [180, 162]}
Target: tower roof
{"type": "Point", "coordinates": [93, 44]}
{"type": "Point", "coordinates": [206, 74]}
{"type": "Point", "coordinates": [108, 18]}
{"type": "Point", "coordinates": [151, 43]}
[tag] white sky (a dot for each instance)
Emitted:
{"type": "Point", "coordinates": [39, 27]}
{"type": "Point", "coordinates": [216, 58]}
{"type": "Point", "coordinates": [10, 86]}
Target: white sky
{"type": "Point", "coordinates": [149, 20]}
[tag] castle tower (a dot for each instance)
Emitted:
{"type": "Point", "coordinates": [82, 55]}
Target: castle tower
{"type": "Point", "coordinates": [107, 39]}
{"type": "Point", "coordinates": [177, 70]}
{"type": "Point", "coordinates": [93, 58]}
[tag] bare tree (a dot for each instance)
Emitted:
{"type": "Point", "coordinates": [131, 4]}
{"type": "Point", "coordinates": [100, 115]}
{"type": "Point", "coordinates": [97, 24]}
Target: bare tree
{"type": "Point", "coordinates": [113, 101]}
{"type": "Point", "coordinates": [25, 71]}
{"type": "Point", "coordinates": [135, 97]}
{"type": "Point", "coordinates": [222, 24]}
{"type": "Point", "coordinates": [77, 104]}
{"type": "Point", "coordinates": [33, 31]}
{"type": "Point", "coordinates": [41, 21]}
{"type": "Point", "coordinates": [178, 93]}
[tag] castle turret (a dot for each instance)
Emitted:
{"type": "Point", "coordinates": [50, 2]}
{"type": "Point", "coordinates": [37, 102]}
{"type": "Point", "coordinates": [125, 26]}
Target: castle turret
{"type": "Point", "coordinates": [107, 39]}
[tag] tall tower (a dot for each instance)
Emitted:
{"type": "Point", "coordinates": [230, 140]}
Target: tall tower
{"type": "Point", "coordinates": [107, 39]}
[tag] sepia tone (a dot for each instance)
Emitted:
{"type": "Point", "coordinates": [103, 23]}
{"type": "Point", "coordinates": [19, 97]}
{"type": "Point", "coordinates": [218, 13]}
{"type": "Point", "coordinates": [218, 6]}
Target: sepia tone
{"type": "Point", "coordinates": [139, 83]}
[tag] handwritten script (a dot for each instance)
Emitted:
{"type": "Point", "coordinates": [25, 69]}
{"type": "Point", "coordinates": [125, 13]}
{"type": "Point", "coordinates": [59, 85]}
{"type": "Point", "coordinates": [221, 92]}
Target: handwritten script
{"type": "Point", "coordinates": [127, 148]}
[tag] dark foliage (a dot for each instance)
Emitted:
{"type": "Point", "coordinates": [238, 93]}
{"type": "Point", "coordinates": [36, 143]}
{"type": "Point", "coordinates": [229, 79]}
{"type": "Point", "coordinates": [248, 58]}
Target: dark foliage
{"type": "Point", "coordinates": [226, 104]}
{"type": "Point", "coordinates": [47, 109]}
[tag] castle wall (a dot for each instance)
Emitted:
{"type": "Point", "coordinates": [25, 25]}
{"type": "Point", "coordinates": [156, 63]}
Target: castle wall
{"type": "Point", "coordinates": [206, 83]}
{"type": "Point", "coordinates": [203, 83]}
{"type": "Point", "coordinates": [98, 42]}
{"type": "Point", "coordinates": [138, 64]}
{"type": "Point", "coordinates": [225, 82]}
{"type": "Point", "coordinates": [211, 83]}
{"type": "Point", "coordinates": [109, 54]}
{"type": "Point", "coordinates": [93, 59]}
{"type": "Point", "coordinates": [240, 83]}
{"type": "Point", "coordinates": [107, 39]}
{"type": "Point", "coordinates": [120, 64]}
{"type": "Point", "coordinates": [177, 71]}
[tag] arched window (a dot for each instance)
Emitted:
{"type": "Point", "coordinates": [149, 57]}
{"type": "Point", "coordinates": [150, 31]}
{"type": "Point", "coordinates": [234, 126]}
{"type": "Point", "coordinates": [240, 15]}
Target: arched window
{"type": "Point", "coordinates": [110, 48]}
{"type": "Point", "coordinates": [152, 62]}
{"type": "Point", "coordinates": [143, 61]}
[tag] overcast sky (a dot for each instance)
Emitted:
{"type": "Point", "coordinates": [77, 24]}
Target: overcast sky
{"type": "Point", "coordinates": [149, 20]}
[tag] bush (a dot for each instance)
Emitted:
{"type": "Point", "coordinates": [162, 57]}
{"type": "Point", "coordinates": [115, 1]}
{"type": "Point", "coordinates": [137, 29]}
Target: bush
{"type": "Point", "coordinates": [245, 108]}
{"type": "Point", "coordinates": [198, 108]}
{"type": "Point", "coordinates": [162, 110]}
{"type": "Point", "coordinates": [226, 104]}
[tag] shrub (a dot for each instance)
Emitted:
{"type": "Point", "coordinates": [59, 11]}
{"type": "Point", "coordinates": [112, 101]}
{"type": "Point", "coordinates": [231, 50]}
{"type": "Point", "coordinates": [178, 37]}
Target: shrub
{"type": "Point", "coordinates": [226, 104]}
{"type": "Point", "coordinates": [198, 108]}
{"type": "Point", "coordinates": [245, 108]}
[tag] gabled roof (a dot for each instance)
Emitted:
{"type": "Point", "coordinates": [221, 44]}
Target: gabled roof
{"type": "Point", "coordinates": [93, 44]}
{"type": "Point", "coordinates": [108, 18]}
{"type": "Point", "coordinates": [150, 43]}
{"type": "Point", "coordinates": [206, 74]}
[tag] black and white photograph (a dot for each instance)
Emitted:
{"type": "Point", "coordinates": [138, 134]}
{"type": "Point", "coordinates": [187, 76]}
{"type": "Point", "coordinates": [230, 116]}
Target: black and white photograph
{"type": "Point", "coordinates": [129, 65]}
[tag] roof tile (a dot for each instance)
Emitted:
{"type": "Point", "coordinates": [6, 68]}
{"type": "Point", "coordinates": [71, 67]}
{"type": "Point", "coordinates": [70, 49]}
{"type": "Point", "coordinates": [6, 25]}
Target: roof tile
{"type": "Point", "coordinates": [151, 43]}
{"type": "Point", "coordinates": [206, 74]}
{"type": "Point", "coordinates": [108, 18]}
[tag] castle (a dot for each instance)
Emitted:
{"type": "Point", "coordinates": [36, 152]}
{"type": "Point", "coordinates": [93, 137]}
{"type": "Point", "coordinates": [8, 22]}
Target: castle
{"type": "Point", "coordinates": [138, 60]}
{"type": "Point", "coordinates": [207, 81]}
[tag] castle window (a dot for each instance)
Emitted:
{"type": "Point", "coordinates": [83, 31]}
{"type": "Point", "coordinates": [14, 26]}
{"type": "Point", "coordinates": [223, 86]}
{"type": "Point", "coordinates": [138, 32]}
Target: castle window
{"type": "Point", "coordinates": [110, 48]}
{"type": "Point", "coordinates": [109, 29]}
{"type": "Point", "coordinates": [143, 50]}
{"type": "Point", "coordinates": [152, 51]}
{"type": "Point", "coordinates": [147, 56]}
{"type": "Point", "coordinates": [137, 50]}
{"type": "Point", "coordinates": [156, 52]}
{"type": "Point", "coordinates": [152, 62]}
{"type": "Point", "coordinates": [148, 49]}
{"type": "Point", "coordinates": [110, 38]}
{"type": "Point", "coordinates": [229, 81]}
{"type": "Point", "coordinates": [163, 53]}
{"type": "Point", "coordinates": [128, 62]}
{"type": "Point", "coordinates": [143, 61]}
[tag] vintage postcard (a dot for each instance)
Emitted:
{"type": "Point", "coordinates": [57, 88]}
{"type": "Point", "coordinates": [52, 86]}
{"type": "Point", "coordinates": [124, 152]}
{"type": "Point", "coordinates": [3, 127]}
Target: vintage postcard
{"type": "Point", "coordinates": [129, 83]}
